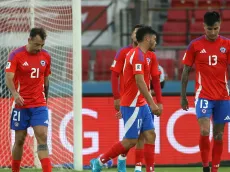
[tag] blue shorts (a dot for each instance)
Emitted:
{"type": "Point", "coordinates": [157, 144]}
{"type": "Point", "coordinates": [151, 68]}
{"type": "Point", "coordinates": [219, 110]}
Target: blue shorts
{"type": "Point", "coordinates": [21, 119]}
{"type": "Point", "coordinates": [136, 120]}
{"type": "Point", "coordinates": [219, 109]}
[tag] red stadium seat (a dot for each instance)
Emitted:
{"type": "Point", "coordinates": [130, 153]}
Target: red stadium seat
{"type": "Point", "coordinates": [169, 67]}
{"type": "Point", "coordinates": [196, 30]}
{"type": "Point", "coordinates": [225, 15]}
{"type": "Point", "coordinates": [227, 3]}
{"type": "Point", "coordinates": [85, 65]}
{"type": "Point", "coordinates": [224, 29]}
{"type": "Point", "coordinates": [104, 59]}
{"type": "Point", "coordinates": [179, 15]}
{"type": "Point", "coordinates": [183, 3]}
{"type": "Point", "coordinates": [174, 33]}
{"type": "Point", "coordinates": [209, 3]}
{"type": "Point", "coordinates": [199, 15]}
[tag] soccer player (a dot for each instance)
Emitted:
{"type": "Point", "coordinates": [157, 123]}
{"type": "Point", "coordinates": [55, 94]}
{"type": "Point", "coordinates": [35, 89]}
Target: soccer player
{"type": "Point", "coordinates": [117, 80]}
{"type": "Point", "coordinates": [211, 55]}
{"type": "Point", "coordinates": [27, 72]}
{"type": "Point", "coordinates": [134, 108]}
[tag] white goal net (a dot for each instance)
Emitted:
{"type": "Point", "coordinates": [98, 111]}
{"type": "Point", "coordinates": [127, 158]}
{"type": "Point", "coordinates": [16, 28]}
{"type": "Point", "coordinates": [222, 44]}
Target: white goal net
{"type": "Point", "coordinates": [16, 19]}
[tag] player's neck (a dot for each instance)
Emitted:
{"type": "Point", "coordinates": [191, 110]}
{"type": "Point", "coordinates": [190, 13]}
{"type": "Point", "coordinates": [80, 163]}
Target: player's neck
{"type": "Point", "coordinates": [28, 49]}
{"type": "Point", "coordinates": [211, 40]}
{"type": "Point", "coordinates": [143, 49]}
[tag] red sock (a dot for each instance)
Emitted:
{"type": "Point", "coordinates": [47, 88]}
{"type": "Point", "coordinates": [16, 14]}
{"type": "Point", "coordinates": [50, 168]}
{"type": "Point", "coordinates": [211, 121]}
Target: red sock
{"type": "Point", "coordinates": [125, 153]}
{"type": "Point", "coordinates": [46, 165]}
{"type": "Point", "coordinates": [16, 165]}
{"type": "Point", "coordinates": [204, 145]}
{"type": "Point", "coordinates": [149, 152]}
{"type": "Point", "coordinates": [139, 155]}
{"type": "Point", "coordinates": [113, 152]}
{"type": "Point", "coordinates": [216, 154]}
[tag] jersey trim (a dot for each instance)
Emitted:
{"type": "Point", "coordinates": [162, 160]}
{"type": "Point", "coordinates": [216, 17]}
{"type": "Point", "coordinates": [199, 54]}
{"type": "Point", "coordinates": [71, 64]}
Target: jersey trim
{"type": "Point", "coordinates": [134, 103]}
{"type": "Point", "coordinates": [199, 89]}
{"type": "Point", "coordinates": [131, 120]}
{"type": "Point", "coordinates": [226, 82]}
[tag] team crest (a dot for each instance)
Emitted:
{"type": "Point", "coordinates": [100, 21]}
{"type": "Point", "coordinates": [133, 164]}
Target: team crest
{"type": "Point", "coordinates": [222, 50]}
{"type": "Point", "coordinates": [16, 124]}
{"type": "Point", "coordinates": [203, 110]}
{"type": "Point", "coordinates": [43, 63]}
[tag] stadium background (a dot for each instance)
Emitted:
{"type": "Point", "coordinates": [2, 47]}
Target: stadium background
{"type": "Point", "coordinates": [106, 26]}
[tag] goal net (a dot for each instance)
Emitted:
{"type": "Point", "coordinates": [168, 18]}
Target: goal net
{"type": "Point", "coordinates": [17, 17]}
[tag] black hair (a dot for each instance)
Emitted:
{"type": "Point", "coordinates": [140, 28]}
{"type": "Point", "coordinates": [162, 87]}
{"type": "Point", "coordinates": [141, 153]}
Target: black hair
{"type": "Point", "coordinates": [211, 17]}
{"type": "Point", "coordinates": [141, 32]}
{"type": "Point", "coordinates": [38, 31]}
{"type": "Point", "coordinates": [137, 27]}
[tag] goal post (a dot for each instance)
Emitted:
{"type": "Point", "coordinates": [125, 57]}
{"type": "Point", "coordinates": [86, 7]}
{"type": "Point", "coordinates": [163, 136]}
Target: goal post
{"type": "Point", "coordinates": [77, 85]}
{"type": "Point", "coordinates": [62, 22]}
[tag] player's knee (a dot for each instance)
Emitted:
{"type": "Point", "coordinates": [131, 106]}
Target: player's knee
{"type": "Point", "coordinates": [218, 136]}
{"type": "Point", "coordinates": [150, 137]}
{"type": "Point", "coordinates": [19, 141]}
{"type": "Point", "coordinates": [41, 137]}
{"type": "Point", "coordinates": [205, 132]}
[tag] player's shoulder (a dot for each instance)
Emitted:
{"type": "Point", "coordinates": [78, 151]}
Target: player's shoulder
{"type": "Point", "coordinates": [16, 52]}
{"type": "Point", "coordinates": [225, 40]}
{"type": "Point", "coordinates": [196, 41]}
{"type": "Point", "coordinates": [151, 54]}
{"type": "Point", "coordinates": [46, 53]}
{"type": "Point", "coordinates": [123, 50]}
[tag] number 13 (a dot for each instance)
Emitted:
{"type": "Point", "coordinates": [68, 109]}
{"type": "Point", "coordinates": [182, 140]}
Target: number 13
{"type": "Point", "coordinates": [214, 58]}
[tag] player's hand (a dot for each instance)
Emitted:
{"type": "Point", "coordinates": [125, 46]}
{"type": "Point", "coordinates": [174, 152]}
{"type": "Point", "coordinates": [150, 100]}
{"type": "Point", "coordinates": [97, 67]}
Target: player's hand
{"type": "Point", "coordinates": [154, 109]}
{"type": "Point", "coordinates": [160, 107]}
{"type": "Point", "coordinates": [18, 99]}
{"type": "Point", "coordinates": [117, 104]}
{"type": "Point", "coordinates": [184, 103]}
{"type": "Point", "coordinates": [118, 115]}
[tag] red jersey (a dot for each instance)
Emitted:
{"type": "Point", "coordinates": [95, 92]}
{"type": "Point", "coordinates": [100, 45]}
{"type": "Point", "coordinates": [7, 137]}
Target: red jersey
{"type": "Point", "coordinates": [118, 64]}
{"type": "Point", "coordinates": [136, 62]}
{"type": "Point", "coordinates": [211, 60]}
{"type": "Point", "coordinates": [154, 67]}
{"type": "Point", "coordinates": [30, 70]}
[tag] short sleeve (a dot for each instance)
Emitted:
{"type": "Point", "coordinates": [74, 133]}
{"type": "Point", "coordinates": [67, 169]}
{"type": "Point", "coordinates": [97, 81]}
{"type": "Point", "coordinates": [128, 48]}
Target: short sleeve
{"type": "Point", "coordinates": [11, 65]}
{"type": "Point", "coordinates": [48, 70]}
{"type": "Point", "coordinates": [137, 62]}
{"type": "Point", "coordinates": [189, 55]}
{"type": "Point", "coordinates": [154, 68]}
{"type": "Point", "coordinates": [119, 61]}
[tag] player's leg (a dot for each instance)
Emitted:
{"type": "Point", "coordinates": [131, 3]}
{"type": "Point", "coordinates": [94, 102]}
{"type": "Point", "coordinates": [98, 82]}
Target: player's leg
{"type": "Point", "coordinates": [204, 110]}
{"type": "Point", "coordinates": [139, 152]}
{"type": "Point", "coordinates": [132, 122]}
{"type": "Point", "coordinates": [149, 137]}
{"type": "Point", "coordinates": [39, 122]}
{"type": "Point", "coordinates": [19, 123]}
{"type": "Point", "coordinates": [221, 115]}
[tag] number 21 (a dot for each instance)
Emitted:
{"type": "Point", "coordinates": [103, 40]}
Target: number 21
{"type": "Point", "coordinates": [35, 72]}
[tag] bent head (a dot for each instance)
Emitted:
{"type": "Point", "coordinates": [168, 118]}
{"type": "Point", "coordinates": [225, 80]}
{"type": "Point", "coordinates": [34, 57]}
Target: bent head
{"type": "Point", "coordinates": [36, 41]}
{"type": "Point", "coordinates": [134, 31]}
{"type": "Point", "coordinates": [212, 25]}
{"type": "Point", "coordinates": [147, 36]}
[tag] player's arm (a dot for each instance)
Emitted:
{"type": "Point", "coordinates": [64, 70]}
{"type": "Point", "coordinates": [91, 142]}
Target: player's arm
{"type": "Point", "coordinates": [144, 91]}
{"type": "Point", "coordinates": [46, 87]}
{"type": "Point", "coordinates": [10, 84]}
{"type": "Point", "coordinates": [188, 60]}
{"type": "Point", "coordinates": [115, 89]}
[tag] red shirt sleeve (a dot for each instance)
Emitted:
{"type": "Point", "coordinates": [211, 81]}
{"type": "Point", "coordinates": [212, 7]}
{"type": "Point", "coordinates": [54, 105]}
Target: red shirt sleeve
{"type": "Point", "coordinates": [48, 70]}
{"type": "Point", "coordinates": [137, 62]}
{"type": "Point", "coordinates": [119, 61]}
{"type": "Point", "coordinates": [157, 88]}
{"type": "Point", "coordinates": [11, 65]}
{"type": "Point", "coordinates": [189, 55]}
{"type": "Point", "coordinates": [115, 85]}
{"type": "Point", "coordinates": [228, 53]}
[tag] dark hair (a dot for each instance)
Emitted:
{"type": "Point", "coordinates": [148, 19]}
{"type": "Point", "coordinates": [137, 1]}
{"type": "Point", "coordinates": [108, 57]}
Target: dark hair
{"type": "Point", "coordinates": [141, 32]}
{"type": "Point", "coordinates": [137, 27]}
{"type": "Point", "coordinates": [210, 18]}
{"type": "Point", "coordinates": [38, 31]}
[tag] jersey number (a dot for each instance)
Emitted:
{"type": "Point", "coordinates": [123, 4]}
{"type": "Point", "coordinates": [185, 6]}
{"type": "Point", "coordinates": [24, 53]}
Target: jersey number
{"type": "Point", "coordinates": [203, 104]}
{"type": "Point", "coordinates": [35, 72]}
{"type": "Point", "coordinates": [16, 116]}
{"type": "Point", "coordinates": [212, 60]}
